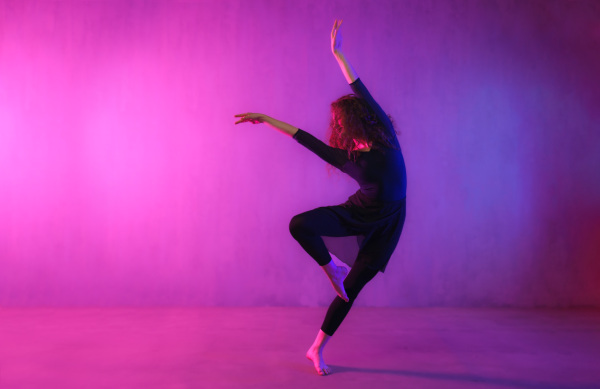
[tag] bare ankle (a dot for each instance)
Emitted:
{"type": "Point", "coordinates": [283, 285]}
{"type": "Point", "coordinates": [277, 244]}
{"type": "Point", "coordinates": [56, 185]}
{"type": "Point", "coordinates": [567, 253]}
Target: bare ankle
{"type": "Point", "coordinates": [330, 267]}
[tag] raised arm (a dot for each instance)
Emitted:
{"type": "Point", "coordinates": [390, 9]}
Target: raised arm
{"type": "Point", "coordinates": [256, 118]}
{"type": "Point", "coordinates": [336, 48]}
{"type": "Point", "coordinates": [357, 86]}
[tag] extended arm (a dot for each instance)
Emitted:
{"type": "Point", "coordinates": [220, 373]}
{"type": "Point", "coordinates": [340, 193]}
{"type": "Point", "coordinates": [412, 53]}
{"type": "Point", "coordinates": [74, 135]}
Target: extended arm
{"type": "Point", "coordinates": [255, 118]}
{"type": "Point", "coordinates": [336, 48]}
{"type": "Point", "coordinates": [335, 157]}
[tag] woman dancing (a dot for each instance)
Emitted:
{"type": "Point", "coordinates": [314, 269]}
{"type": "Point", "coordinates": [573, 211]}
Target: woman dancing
{"type": "Point", "coordinates": [362, 144]}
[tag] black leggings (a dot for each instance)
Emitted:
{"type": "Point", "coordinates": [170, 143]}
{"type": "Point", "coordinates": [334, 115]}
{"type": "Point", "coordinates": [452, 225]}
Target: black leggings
{"type": "Point", "coordinates": [307, 228]}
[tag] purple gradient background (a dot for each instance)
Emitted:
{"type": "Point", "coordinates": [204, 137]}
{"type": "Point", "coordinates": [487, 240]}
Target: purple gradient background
{"type": "Point", "coordinates": [123, 180]}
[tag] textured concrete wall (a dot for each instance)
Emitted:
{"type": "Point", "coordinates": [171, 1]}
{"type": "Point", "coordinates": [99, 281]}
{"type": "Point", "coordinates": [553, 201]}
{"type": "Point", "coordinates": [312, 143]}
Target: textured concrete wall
{"type": "Point", "coordinates": [123, 180]}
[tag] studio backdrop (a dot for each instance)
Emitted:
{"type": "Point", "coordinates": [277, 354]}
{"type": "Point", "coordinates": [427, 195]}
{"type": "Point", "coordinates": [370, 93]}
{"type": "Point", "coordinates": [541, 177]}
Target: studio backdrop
{"type": "Point", "coordinates": [124, 181]}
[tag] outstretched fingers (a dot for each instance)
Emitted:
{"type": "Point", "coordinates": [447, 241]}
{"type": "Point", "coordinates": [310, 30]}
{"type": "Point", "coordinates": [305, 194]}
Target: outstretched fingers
{"type": "Point", "coordinates": [253, 118]}
{"type": "Point", "coordinates": [336, 25]}
{"type": "Point", "coordinates": [242, 116]}
{"type": "Point", "coordinates": [336, 39]}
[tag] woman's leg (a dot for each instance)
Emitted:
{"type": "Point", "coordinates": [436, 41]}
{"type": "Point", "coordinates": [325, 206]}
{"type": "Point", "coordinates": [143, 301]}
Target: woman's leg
{"type": "Point", "coordinates": [308, 228]}
{"type": "Point", "coordinates": [359, 276]}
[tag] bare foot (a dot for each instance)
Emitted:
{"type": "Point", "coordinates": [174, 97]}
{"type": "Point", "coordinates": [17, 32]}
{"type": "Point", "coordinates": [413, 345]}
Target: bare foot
{"type": "Point", "coordinates": [336, 275]}
{"type": "Point", "coordinates": [317, 359]}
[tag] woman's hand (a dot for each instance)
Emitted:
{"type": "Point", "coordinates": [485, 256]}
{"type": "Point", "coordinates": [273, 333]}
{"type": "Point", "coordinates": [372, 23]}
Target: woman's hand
{"type": "Point", "coordinates": [256, 118]}
{"type": "Point", "coordinates": [336, 48]}
{"type": "Point", "coordinates": [253, 118]}
{"type": "Point", "coordinates": [336, 37]}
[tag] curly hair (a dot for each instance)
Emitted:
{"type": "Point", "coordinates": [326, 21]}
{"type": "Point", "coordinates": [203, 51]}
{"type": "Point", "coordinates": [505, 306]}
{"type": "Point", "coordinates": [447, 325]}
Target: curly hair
{"type": "Point", "coordinates": [358, 122]}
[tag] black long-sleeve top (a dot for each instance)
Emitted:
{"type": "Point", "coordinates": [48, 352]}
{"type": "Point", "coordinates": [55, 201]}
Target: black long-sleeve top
{"type": "Point", "coordinates": [380, 172]}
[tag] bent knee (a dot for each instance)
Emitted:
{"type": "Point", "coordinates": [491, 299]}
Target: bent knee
{"type": "Point", "coordinates": [297, 225]}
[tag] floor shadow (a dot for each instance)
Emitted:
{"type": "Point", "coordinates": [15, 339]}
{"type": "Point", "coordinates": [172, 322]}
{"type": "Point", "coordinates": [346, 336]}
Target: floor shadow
{"type": "Point", "coordinates": [507, 382]}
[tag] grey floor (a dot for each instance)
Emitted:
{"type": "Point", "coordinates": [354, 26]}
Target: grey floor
{"type": "Point", "coordinates": [264, 348]}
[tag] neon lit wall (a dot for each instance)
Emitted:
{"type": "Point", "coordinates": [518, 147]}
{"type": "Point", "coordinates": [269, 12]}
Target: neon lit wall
{"type": "Point", "coordinates": [123, 180]}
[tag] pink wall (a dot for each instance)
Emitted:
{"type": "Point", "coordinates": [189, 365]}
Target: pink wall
{"type": "Point", "coordinates": [123, 180]}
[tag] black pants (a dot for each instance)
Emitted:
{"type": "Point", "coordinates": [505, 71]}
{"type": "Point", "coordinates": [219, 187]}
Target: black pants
{"type": "Point", "coordinates": [307, 228]}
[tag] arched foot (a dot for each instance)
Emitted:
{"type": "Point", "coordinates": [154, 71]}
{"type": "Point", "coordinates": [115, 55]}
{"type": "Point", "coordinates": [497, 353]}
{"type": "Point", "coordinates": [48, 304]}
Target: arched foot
{"type": "Point", "coordinates": [317, 359]}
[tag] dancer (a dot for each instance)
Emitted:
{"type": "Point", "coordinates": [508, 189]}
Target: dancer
{"type": "Point", "coordinates": [362, 144]}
